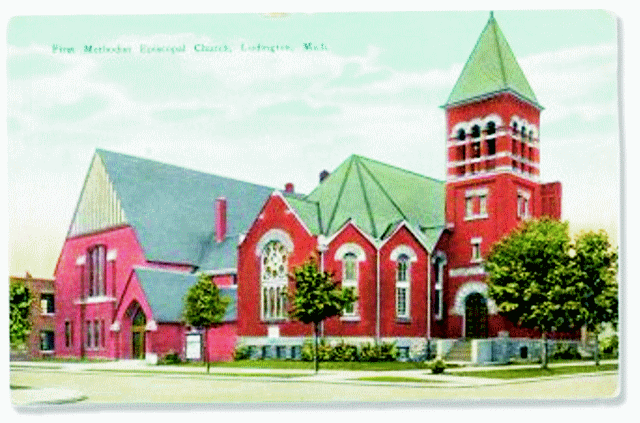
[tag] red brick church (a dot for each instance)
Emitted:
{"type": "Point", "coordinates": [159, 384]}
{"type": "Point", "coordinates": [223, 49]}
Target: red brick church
{"type": "Point", "coordinates": [411, 246]}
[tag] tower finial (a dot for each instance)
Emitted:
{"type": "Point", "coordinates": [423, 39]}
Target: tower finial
{"type": "Point", "coordinates": [491, 15]}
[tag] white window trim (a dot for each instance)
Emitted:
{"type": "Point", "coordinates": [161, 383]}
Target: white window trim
{"type": "Point", "coordinates": [278, 285]}
{"type": "Point", "coordinates": [524, 205]}
{"type": "Point", "coordinates": [470, 195]}
{"type": "Point", "coordinates": [350, 247]}
{"type": "Point", "coordinates": [476, 242]}
{"type": "Point", "coordinates": [44, 309]}
{"type": "Point", "coordinates": [406, 285]}
{"type": "Point", "coordinates": [439, 286]}
{"type": "Point", "coordinates": [406, 250]}
{"type": "Point", "coordinates": [351, 283]}
{"type": "Point", "coordinates": [274, 235]}
{"type": "Point", "coordinates": [54, 340]}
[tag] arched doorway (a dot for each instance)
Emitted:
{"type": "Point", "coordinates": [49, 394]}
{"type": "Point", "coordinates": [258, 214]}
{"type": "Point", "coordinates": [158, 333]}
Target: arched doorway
{"type": "Point", "coordinates": [476, 316]}
{"type": "Point", "coordinates": [138, 330]}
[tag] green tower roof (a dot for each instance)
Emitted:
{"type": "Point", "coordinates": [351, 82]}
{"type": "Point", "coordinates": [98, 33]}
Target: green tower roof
{"type": "Point", "coordinates": [491, 68]}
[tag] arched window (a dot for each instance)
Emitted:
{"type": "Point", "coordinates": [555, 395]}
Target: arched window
{"type": "Point", "coordinates": [96, 271]}
{"type": "Point", "coordinates": [438, 300]}
{"type": "Point", "coordinates": [350, 280]}
{"type": "Point", "coordinates": [274, 280]}
{"type": "Point", "coordinates": [491, 128]}
{"type": "Point", "coordinates": [461, 135]}
{"type": "Point", "coordinates": [475, 131]}
{"type": "Point", "coordinates": [403, 286]}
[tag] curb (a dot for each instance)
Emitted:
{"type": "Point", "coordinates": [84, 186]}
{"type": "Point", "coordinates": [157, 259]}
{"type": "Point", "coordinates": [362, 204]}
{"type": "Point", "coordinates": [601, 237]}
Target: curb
{"type": "Point", "coordinates": [27, 398]}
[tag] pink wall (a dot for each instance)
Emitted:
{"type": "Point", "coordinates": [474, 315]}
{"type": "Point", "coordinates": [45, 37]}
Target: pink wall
{"type": "Point", "coordinates": [221, 342]}
{"type": "Point", "coordinates": [121, 289]}
{"type": "Point", "coordinates": [169, 338]}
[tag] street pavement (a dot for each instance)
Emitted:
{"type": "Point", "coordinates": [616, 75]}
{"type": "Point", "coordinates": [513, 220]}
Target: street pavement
{"type": "Point", "coordinates": [423, 377]}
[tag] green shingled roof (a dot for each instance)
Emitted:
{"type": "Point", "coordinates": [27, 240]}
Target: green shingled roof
{"type": "Point", "coordinates": [376, 197]}
{"type": "Point", "coordinates": [165, 291]}
{"type": "Point", "coordinates": [172, 209]}
{"type": "Point", "coordinates": [490, 69]}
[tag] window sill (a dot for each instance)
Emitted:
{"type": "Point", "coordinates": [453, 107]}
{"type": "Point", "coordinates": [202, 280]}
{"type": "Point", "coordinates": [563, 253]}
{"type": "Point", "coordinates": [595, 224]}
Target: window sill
{"type": "Point", "coordinates": [48, 314]}
{"type": "Point", "coordinates": [476, 217]}
{"type": "Point", "coordinates": [274, 321]}
{"type": "Point", "coordinates": [403, 320]}
{"type": "Point", "coordinates": [350, 318]}
{"type": "Point", "coordinates": [95, 300]}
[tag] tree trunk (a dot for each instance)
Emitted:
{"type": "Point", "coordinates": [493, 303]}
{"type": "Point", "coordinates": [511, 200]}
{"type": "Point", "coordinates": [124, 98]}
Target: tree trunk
{"type": "Point", "coordinates": [596, 353]}
{"type": "Point", "coordinates": [315, 355]}
{"type": "Point", "coordinates": [545, 351]}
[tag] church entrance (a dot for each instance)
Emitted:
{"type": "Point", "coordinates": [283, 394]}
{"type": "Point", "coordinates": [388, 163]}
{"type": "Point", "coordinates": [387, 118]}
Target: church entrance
{"type": "Point", "coordinates": [138, 328]}
{"type": "Point", "coordinates": [476, 316]}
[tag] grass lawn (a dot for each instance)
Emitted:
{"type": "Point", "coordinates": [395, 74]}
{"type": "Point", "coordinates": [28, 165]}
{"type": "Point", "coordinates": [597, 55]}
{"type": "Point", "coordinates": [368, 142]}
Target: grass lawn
{"type": "Point", "coordinates": [234, 374]}
{"type": "Point", "coordinates": [397, 379]}
{"type": "Point", "coordinates": [307, 365]}
{"type": "Point", "coordinates": [536, 372]}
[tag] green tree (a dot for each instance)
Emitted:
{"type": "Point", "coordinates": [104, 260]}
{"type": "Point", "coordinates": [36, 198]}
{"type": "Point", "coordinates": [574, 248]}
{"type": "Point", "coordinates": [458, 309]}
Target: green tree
{"type": "Point", "coordinates": [204, 308]}
{"type": "Point", "coordinates": [20, 300]}
{"type": "Point", "coordinates": [317, 297]}
{"type": "Point", "coordinates": [528, 278]}
{"type": "Point", "coordinates": [594, 267]}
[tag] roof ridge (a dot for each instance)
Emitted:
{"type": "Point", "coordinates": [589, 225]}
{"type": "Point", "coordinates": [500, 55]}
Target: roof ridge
{"type": "Point", "coordinates": [466, 64]}
{"type": "Point", "coordinates": [366, 200]}
{"type": "Point", "coordinates": [499, 50]}
{"type": "Point", "coordinates": [99, 150]}
{"type": "Point", "coordinates": [385, 192]}
{"type": "Point", "coordinates": [342, 185]}
{"type": "Point", "coordinates": [398, 168]}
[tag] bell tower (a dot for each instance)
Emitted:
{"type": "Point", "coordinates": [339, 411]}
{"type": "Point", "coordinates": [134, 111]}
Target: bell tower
{"type": "Point", "coordinates": [493, 167]}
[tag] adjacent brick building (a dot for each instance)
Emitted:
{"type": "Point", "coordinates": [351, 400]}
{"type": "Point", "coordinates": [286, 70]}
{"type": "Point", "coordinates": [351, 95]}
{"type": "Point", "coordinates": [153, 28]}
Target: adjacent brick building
{"type": "Point", "coordinates": [41, 339]}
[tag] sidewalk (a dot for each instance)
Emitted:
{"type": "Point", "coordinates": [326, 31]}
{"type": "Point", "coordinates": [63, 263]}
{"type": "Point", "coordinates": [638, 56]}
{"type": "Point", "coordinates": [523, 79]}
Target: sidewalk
{"type": "Point", "coordinates": [422, 378]}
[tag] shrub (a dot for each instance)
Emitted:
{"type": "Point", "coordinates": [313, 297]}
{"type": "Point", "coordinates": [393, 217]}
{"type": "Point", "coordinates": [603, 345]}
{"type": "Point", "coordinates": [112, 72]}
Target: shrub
{"type": "Point", "coordinates": [437, 365]}
{"type": "Point", "coordinates": [388, 351]}
{"type": "Point", "coordinates": [324, 351]}
{"type": "Point", "coordinates": [242, 352]}
{"type": "Point", "coordinates": [609, 345]}
{"type": "Point", "coordinates": [344, 352]}
{"type": "Point", "coordinates": [306, 354]}
{"type": "Point", "coordinates": [171, 357]}
{"type": "Point", "coordinates": [566, 351]}
{"type": "Point", "coordinates": [369, 353]}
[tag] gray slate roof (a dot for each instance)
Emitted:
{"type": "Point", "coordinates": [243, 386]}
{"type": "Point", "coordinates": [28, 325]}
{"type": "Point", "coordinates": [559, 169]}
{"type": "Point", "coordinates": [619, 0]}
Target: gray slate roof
{"type": "Point", "coordinates": [165, 291]}
{"type": "Point", "coordinates": [172, 209]}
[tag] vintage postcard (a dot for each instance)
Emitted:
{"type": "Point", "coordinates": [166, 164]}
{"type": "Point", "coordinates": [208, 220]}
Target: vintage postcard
{"type": "Point", "coordinates": [281, 209]}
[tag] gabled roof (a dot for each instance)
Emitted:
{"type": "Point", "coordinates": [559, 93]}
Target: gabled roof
{"type": "Point", "coordinates": [491, 68]}
{"type": "Point", "coordinates": [374, 196]}
{"type": "Point", "coordinates": [172, 209]}
{"type": "Point", "coordinates": [165, 291]}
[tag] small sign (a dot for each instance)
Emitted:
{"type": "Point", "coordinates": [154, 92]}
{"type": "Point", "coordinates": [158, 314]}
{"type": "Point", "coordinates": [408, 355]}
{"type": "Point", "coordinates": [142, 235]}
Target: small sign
{"type": "Point", "coordinates": [273, 331]}
{"type": "Point", "coordinates": [194, 346]}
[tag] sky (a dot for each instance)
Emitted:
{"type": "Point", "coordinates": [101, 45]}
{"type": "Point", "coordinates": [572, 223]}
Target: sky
{"type": "Point", "coordinates": [273, 117]}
